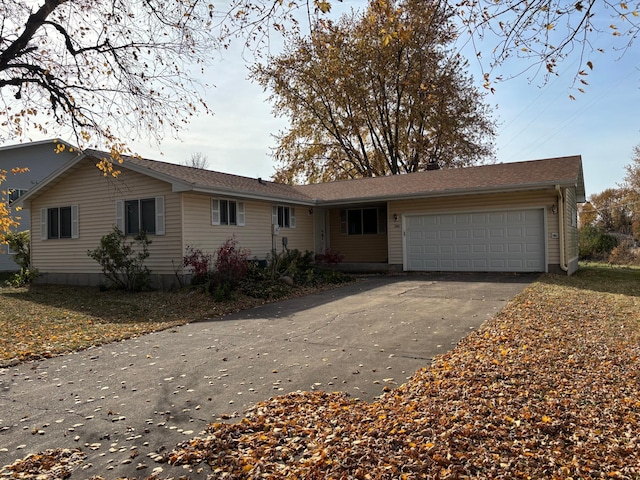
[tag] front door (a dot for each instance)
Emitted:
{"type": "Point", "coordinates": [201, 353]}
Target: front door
{"type": "Point", "coordinates": [320, 233]}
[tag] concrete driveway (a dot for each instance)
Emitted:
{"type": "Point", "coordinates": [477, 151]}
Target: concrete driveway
{"type": "Point", "coordinates": [121, 402]}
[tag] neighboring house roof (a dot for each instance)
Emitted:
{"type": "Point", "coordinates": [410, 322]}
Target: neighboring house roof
{"type": "Point", "coordinates": [502, 177]}
{"type": "Point", "coordinates": [39, 142]}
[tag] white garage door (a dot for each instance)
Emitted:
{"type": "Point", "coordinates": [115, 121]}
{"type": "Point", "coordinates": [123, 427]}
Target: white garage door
{"type": "Point", "coordinates": [510, 241]}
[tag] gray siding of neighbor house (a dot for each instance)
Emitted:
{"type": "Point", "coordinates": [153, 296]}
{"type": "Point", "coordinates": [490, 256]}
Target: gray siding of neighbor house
{"type": "Point", "coordinates": [41, 160]}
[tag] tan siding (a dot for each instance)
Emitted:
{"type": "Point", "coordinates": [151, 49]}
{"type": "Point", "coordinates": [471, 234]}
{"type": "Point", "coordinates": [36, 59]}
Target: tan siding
{"type": "Point", "coordinates": [537, 198]}
{"type": "Point", "coordinates": [255, 235]}
{"type": "Point", "coordinates": [356, 248]}
{"type": "Point", "coordinates": [95, 196]}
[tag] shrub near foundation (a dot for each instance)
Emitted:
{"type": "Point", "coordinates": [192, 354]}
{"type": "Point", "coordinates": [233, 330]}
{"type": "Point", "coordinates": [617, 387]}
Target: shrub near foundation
{"type": "Point", "coordinates": [230, 268]}
{"type": "Point", "coordinates": [122, 261]}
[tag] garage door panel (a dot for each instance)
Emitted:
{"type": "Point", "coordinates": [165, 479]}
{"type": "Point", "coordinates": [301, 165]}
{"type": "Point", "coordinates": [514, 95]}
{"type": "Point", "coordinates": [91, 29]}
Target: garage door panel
{"type": "Point", "coordinates": [464, 220]}
{"type": "Point", "coordinates": [478, 249]}
{"type": "Point", "coordinates": [515, 248]}
{"type": "Point", "coordinates": [463, 264]}
{"type": "Point", "coordinates": [481, 241]}
{"type": "Point", "coordinates": [533, 248]}
{"type": "Point", "coordinates": [480, 264]}
{"type": "Point", "coordinates": [463, 249]}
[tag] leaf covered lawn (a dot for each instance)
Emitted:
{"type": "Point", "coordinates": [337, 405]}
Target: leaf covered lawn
{"type": "Point", "coordinates": [550, 388]}
{"type": "Point", "coordinates": [47, 320]}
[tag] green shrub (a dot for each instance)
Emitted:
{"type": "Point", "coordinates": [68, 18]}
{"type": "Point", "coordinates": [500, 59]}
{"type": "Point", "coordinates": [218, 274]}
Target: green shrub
{"type": "Point", "coordinates": [221, 291]}
{"type": "Point", "coordinates": [24, 277]}
{"type": "Point", "coordinates": [594, 243]}
{"type": "Point", "coordinates": [291, 263]}
{"type": "Point", "coordinates": [20, 245]}
{"type": "Point", "coordinates": [264, 279]}
{"type": "Point", "coordinates": [122, 261]}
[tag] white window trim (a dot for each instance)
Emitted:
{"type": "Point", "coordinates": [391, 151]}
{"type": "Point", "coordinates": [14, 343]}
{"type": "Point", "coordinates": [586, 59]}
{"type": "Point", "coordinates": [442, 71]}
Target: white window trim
{"type": "Point", "coordinates": [292, 216]}
{"type": "Point", "coordinates": [215, 212]}
{"type": "Point", "coordinates": [44, 223]}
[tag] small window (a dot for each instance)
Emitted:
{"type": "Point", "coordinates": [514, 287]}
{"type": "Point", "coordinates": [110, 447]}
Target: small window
{"type": "Point", "coordinates": [227, 212]}
{"type": "Point", "coordinates": [363, 221]}
{"type": "Point", "coordinates": [283, 216]}
{"type": "Point", "coordinates": [59, 222]}
{"type": "Point", "coordinates": [14, 193]}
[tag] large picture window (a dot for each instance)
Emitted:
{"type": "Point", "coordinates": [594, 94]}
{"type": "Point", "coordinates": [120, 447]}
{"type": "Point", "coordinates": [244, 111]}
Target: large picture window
{"type": "Point", "coordinates": [363, 221]}
{"type": "Point", "coordinates": [140, 215]}
{"type": "Point", "coordinates": [59, 222]}
{"type": "Point", "coordinates": [227, 212]}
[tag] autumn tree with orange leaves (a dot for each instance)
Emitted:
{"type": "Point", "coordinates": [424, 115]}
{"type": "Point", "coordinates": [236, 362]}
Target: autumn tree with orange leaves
{"type": "Point", "coordinates": [376, 93]}
{"type": "Point", "coordinates": [7, 221]}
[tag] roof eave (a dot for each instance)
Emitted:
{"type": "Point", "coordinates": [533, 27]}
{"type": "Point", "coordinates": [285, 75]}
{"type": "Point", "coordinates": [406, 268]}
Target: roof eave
{"type": "Point", "coordinates": [252, 195]}
{"type": "Point", "coordinates": [447, 193]}
{"type": "Point", "coordinates": [36, 143]}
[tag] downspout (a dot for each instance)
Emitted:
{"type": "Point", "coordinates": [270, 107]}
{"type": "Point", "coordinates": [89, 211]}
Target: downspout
{"type": "Point", "coordinates": [563, 254]}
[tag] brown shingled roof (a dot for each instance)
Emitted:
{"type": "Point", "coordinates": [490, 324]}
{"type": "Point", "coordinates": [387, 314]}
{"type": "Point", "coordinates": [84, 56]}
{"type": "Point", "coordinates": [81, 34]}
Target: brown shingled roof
{"type": "Point", "coordinates": [486, 178]}
{"type": "Point", "coordinates": [211, 181]}
{"type": "Point", "coordinates": [525, 175]}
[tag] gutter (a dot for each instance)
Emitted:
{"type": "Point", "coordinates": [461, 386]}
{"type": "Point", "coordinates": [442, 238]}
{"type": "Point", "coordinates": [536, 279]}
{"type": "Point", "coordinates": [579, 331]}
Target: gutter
{"type": "Point", "coordinates": [446, 193]}
{"type": "Point", "coordinates": [563, 254]}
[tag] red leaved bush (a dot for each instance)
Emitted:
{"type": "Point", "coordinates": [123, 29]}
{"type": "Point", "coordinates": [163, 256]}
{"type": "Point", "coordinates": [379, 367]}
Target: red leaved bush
{"type": "Point", "coordinates": [231, 264]}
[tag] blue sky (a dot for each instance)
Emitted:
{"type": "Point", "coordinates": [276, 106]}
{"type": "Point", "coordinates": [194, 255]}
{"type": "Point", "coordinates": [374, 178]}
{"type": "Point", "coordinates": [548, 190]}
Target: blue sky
{"type": "Point", "coordinates": [535, 120]}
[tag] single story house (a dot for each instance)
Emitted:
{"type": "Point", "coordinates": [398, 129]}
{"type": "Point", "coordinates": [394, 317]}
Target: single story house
{"type": "Point", "coordinates": [41, 158]}
{"type": "Point", "coordinates": [511, 217]}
